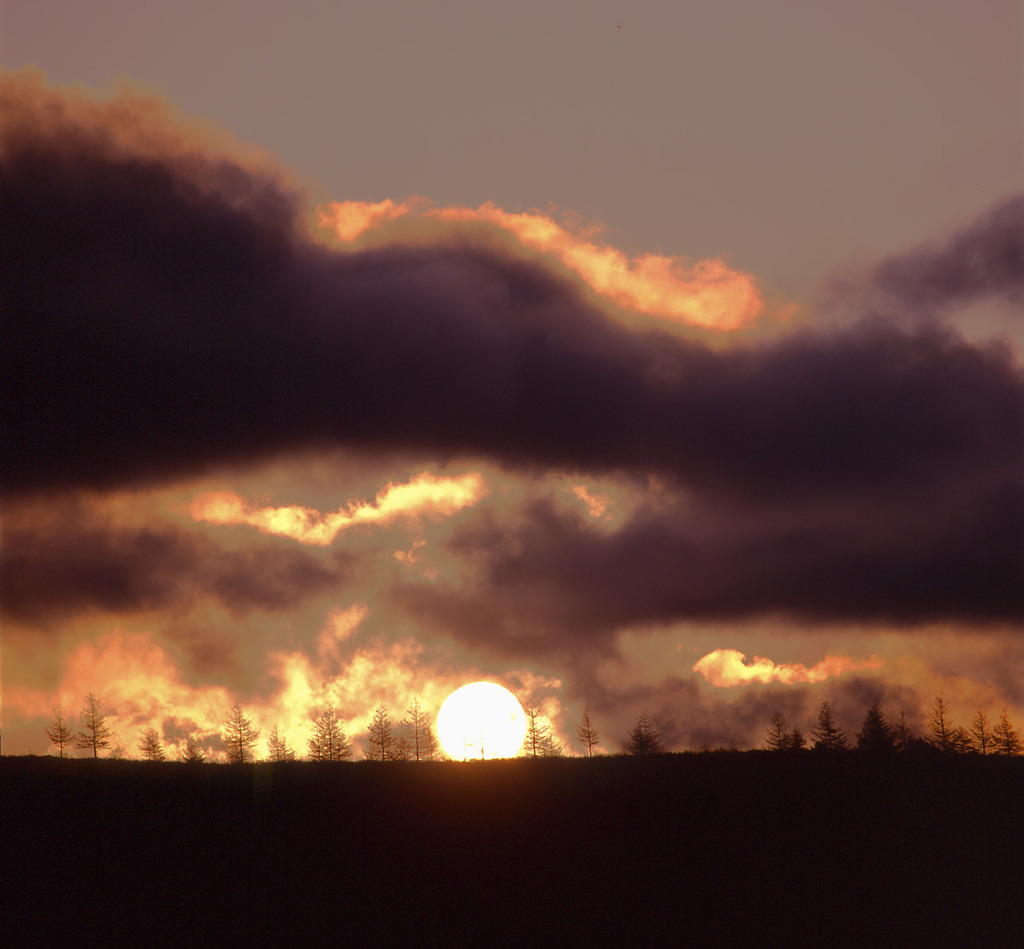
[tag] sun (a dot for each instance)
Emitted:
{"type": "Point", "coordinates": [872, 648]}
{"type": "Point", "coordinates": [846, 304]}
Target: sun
{"type": "Point", "coordinates": [481, 720]}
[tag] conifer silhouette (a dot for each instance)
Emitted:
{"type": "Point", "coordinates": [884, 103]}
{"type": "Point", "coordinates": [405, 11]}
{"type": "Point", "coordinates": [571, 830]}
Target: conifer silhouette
{"type": "Point", "coordinates": [239, 736]}
{"type": "Point", "coordinates": [644, 738]}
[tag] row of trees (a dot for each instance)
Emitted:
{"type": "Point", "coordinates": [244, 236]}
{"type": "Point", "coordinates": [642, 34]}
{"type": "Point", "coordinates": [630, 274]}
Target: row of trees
{"type": "Point", "coordinates": [878, 734]}
{"type": "Point", "coordinates": [413, 740]}
{"type": "Point", "coordinates": [414, 737]}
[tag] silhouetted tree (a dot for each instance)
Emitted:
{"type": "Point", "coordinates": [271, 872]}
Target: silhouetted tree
{"type": "Point", "coordinates": [193, 751]}
{"type": "Point", "coordinates": [277, 747]}
{"type": "Point", "coordinates": [60, 732]}
{"type": "Point", "coordinates": [586, 732]}
{"type": "Point", "coordinates": [981, 732]}
{"type": "Point", "coordinates": [239, 736]}
{"type": "Point", "coordinates": [381, 738]}
{"type": "Point", "coordinates": [941, 727]}
{"type": "Point", "coordinates": [151, 746]}
{"type": "Point", "coordinates": [1005, 738]}
{"type": "Point", "coordinates": [329, 742]}
{"type": "Point", "coordinates": [962, 742]}
{"type": "Point", "coordinates": [777, 736]}
{"type": "Point", "coordinates": [795, 740]}
{"type": "Point", "coordinates": [902, 736]}
{"type": "Point", "coordinates": [876, 732]}
{"type": "Point", "coordinates": [419, 733]}
{"type": "Point", "coordinates": [539, 742]}
{"type": "Point", "coordinates": [828, 736]}
{"type": "Point", "coordinates": [644, 738]}
{"type": "Point", "coordinates": [94, 732]}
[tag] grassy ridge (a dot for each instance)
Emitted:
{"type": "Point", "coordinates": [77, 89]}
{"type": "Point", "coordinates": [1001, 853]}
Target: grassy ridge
{"type": "Point", "coordinates": [744, 848]}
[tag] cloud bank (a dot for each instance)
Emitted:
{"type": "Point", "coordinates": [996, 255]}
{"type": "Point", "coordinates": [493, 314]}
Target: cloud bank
{"type": "Point", "coordinates": [172, 318]}
{"type": "Point", "coordinates": [168, 312]}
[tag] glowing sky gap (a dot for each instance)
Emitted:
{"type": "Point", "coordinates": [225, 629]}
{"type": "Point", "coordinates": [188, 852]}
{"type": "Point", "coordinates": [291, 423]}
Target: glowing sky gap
{"type": "Point", "coordinates": [425, 495]}
{"type": "Point", "coordinates": [597, 504]}
{"type": "Point", "coordinates": [726, 668]}
{"type": "Point", "coordinates": [705, 293]}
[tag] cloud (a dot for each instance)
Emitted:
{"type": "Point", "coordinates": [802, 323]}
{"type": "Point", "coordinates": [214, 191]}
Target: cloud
{"type": "Point", "coordinates": [186, 319]}
{"type": "Point", "coordinates": [704, 293]}
{"type": "Point", "coordinates": [597, 504]}
{"type": "Point", "coordinates": [726, 668]}
{"type": "Point", "coordinates": [426, 495]}
{"type": "Point", "coordinates": [688, 717]}
{"type": "Point", "coordinates": [981, 260]}
{"type": "Point", "coordinates": [548, 581]}
{"type": "Point", "coordinates": [73, 561]}
{"type": "Point", "coordinates": [138, 685]}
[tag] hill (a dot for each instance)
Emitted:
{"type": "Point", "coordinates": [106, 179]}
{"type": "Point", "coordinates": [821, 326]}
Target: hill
{"type": "Point", "coordinates": [714, 849]}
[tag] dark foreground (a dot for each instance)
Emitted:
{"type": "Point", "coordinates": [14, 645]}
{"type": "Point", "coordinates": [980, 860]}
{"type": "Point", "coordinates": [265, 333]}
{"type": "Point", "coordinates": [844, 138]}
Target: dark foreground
{"type": "Point", "coordinates": [735, 849]}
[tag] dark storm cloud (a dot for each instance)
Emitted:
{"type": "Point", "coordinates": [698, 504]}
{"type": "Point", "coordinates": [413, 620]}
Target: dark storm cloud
{"type": "Point", "coordinates": [162, 313]}
{"type": "Point", "coordinates": [984, 259]}
{"type": "Point", "coordinates": [72, 562]}
{"type": "Point", "coordinates": [981, 261]}
{"type": "Point", "coordinates": [548, 582]}
{"type": "Point", "coordinates": [553, 585]}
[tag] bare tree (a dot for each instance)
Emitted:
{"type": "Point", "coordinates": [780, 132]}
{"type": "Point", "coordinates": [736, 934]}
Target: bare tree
{"type": "Point", "coordinates": [1005, 738]}
{"type": "Point", "coordinates": [777, 736]}
{"type": "Point", "coordinates": [94, 732]}
{"type": "Point", "coordinates": [942, 734]}
{"type": "Point", "coordinates": [277, 747]}
{"type": "Point", "coordinates": [902, 736]}
{"type": "Point", "coordinates": [539, 741]}
{"type": "Point", "coordinates": [586, 732]}
{"type": "Point", "coordinates": [193, 751]}
{"type": "Point", "coordinates": [981, 732]}
{"type": "Point", "coordinates": [419, 733]}
{"type": "Point", "coordinates": [403, 748]}
{"type": "Point", "coordinates": [151, 746]}
{"type": "Point", "coordinates": [828, 736]}
{"type": "Point", "coordinates": [329, 742]}
{"type": "Point", "coordinates": [644, 738]}
{"type": "Point", "coordinates": [239, 736]}
{"type": "Point", "coordinates": [876, 732]}
{"type": "Point", "coordinates": [962, 741]}
{"type": "Point", "coordinates": [60, 732]}
{"type": "Point", "coordinates": [381, 739]}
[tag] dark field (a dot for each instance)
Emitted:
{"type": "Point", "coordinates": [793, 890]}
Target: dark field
{"type": "Point", "coordinates": [719, 849]}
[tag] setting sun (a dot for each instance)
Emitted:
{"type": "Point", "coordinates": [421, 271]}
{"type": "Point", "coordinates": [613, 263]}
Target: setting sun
{"type": "Point", "coordinates": [481, 720]}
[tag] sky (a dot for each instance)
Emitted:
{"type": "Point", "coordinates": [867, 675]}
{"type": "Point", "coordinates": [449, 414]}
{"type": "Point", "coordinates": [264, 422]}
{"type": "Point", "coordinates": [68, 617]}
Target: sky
{"type": "Point", "coordinates": [660, 360]}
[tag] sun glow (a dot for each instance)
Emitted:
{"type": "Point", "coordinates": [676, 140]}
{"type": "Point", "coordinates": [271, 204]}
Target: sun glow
{"type": "Point", "coordinates": [481, 720]}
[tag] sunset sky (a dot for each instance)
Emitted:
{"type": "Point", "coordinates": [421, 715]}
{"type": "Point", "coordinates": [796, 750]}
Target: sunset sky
{"type": "Point", "coordinates": [651, 359]}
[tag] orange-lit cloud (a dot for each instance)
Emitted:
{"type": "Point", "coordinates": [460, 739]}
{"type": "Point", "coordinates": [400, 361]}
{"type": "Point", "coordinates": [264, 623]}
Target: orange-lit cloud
{"type": "Point", "coordinates": [138, 686]}
{"type": "Point", "coordinates": [597, 504]}
{"type": "Point", "coordinates": [705, 293]}
{"type": "Point", "coordinates": [350, 219]}
{"type": "Point", "coordinates": [426, 495]}
{"type": "Point", "coordinates": [728, 667]}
